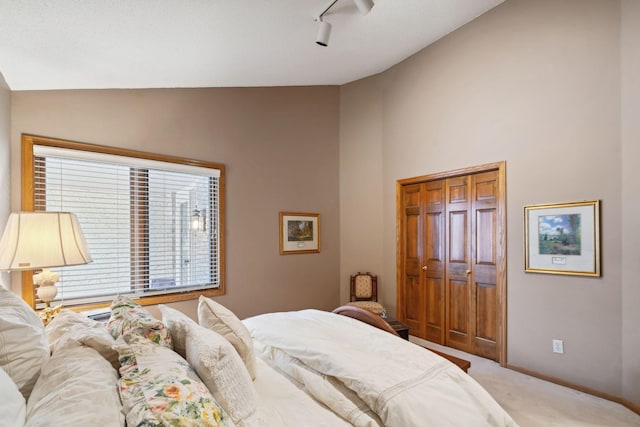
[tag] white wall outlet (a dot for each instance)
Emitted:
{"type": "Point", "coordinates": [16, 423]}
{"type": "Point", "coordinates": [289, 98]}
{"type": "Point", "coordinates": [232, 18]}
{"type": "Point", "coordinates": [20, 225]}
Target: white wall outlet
{"type": "Point", "coordinates": [558, 346]}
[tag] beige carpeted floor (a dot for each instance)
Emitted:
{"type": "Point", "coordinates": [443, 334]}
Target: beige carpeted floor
{"type": "Point", "coordinates": [532, 402]}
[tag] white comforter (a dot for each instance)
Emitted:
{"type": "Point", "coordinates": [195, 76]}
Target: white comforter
{"type": "Point", "coordinates": [370, 377]}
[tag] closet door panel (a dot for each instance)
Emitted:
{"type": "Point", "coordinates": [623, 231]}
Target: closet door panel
{"type": "Point", "coordinates": [414, 291]}
{"type": "Point", "coordinates": [486, 312]}
{"type": "Point", "coordinates": [458, 263]}
{"type": "Point", "coordinates": [433, 266]}
{"type": "Point", "coordinates": [485, 237]}
{"type": "Point", "coordinates": [458, 233]}
{"type": "Point", "coordinates": [435, 310]}
{"type": "Point", "coordinates": [458, 315]}
{"type": "Point", "coordinates": [484, 320]}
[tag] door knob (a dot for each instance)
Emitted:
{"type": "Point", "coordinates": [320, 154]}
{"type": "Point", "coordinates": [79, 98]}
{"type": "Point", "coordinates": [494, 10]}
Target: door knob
{"type": "Point", "coordinates": [424, 268]}
{"type": "Point", "coordinates": [468, 271]}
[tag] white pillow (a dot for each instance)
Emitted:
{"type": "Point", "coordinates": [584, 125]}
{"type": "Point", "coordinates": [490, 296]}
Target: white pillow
{"type": "Point", "coordinates": [219, 319]}
{"type": "Point", "coordinates": [93, 334]}
{"type": "Point", "coordinates": [176, 322]}
{"type": "Point", "coordinates": [77, 388]}
{"type": "Point", "coordinates": [218, 365]}
{"type": "Point", "coordinates": [23, 343]}
{"type": "Point", "coordinates": [13, 407]}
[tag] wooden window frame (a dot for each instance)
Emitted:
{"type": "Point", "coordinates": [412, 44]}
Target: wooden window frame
{"type": "Point", "coordinates": [29, 203]}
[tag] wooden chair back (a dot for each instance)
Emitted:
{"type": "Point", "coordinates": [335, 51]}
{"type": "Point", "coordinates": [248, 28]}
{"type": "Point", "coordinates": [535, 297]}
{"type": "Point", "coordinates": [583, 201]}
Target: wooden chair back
{"type": "Point", "coordinates": [364, 287]}
{"type": "Point", "coordinates": [365, 316]}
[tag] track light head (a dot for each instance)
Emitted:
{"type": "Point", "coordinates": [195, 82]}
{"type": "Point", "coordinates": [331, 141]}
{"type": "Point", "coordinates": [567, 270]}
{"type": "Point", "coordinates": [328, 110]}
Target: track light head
{"type": "Point", "coordinates": [324, 32]}
{"type": "Point", "coordinates": [364, 6]}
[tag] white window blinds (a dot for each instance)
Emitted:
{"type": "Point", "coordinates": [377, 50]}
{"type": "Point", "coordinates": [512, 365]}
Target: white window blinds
{"type": "Point", "coordinates": [152, 227]}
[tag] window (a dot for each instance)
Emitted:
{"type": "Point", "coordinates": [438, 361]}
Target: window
{"type": "Point", "coordinates": [153, 223]}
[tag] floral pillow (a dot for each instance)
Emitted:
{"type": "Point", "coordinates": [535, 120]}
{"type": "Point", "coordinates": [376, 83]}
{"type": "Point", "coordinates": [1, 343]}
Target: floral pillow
{"type": "Point", "coordinates": [134, 323]}
{"type": "Point", "coordinates": [159, 388]}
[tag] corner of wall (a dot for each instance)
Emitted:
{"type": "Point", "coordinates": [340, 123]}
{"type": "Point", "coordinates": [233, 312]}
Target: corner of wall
{"type": "Point", "coordinates": [361, 183]}
{"type": "Point", "coordinates": [630, 132]}
{"type": "Point", "coordinates": [5, 161]}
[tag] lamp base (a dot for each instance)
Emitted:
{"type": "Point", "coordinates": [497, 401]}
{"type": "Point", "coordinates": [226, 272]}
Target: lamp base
{"type": "Point", "coordinates": [47, 291]}
{"type": "Point", "coordinates": [47, 314]}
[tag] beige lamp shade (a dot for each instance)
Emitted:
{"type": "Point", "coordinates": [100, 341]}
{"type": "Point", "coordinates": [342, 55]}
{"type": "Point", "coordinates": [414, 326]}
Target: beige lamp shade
{"type": "Point", "coordinates": [34, 240]}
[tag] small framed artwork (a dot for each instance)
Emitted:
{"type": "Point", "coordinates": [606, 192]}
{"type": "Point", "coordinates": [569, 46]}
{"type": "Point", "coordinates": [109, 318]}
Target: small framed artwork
{"type": "Point", "coordinates": [299, 233]}
{"type": "Point", "coordinates": [563, 238]}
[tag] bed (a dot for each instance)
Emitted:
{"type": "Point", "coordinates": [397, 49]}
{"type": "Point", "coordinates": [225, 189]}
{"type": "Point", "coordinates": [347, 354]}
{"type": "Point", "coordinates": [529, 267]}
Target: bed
{"type": "Point", "coordinates": [303, 368]}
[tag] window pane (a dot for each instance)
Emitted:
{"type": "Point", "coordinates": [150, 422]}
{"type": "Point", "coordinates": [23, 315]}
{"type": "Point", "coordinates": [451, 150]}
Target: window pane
{"type": "Point", "coordinates": [179, 250]}
{"type": "Point", "coordinates": [150, 231]}
{"type": "Point", "coordinates": [99, 196]}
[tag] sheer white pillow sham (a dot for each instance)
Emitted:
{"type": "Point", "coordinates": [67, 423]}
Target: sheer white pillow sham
{"type": "Point", "coordinates": [23, 344]}
{"type": "Point", "coordinates": [85, 331]}
{"type": "Point", "coordinates": [13, 407]}
{"type": "Point", "coordinates": [218, 365]}
{"type": "Point", "coordinates": [220, 319]}
{"type": "Point", "coordinates": [77, 388]}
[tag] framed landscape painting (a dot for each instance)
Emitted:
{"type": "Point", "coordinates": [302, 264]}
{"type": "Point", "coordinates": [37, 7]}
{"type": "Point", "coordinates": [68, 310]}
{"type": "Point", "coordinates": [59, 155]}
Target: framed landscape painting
{"type": "Point", "coordinates": [299, 233]}
{"type": "Point", "coordinates": [563, 238]}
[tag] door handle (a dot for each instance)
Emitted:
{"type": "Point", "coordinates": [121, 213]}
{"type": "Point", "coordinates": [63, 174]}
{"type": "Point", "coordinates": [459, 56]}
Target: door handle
{"type": "Point", "coordinates": [424, 268]}
{"type": "Point", "coordinates": [468, 272]}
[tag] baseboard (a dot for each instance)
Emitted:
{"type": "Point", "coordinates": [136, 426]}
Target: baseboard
{"type": "Point", "coordinates": [631, 406]}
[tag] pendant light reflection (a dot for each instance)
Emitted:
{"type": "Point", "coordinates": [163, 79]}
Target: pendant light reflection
{"type": "Point", "coordinates": [198, 220]}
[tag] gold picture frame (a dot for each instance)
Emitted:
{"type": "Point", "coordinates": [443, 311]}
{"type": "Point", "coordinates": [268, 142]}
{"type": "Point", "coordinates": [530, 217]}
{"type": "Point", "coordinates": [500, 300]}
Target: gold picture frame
{"type": "Point", "coordinates": [563, 238]}
{"type": "Point", "coordinates": [299, 233]}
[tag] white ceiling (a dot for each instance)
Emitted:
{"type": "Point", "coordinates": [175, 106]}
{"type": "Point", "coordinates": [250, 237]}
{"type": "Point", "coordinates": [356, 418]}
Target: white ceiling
{"type": "Point", "coordinates": [87, 44]}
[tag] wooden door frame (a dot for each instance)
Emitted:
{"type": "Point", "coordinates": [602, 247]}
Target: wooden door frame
{"type": "Point", "coordinates": [501, 246]}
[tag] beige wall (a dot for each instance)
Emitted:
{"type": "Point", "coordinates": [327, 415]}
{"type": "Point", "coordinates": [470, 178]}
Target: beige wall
{"type": "Point", "coordinates": [361, 184]}
{"type": "Point", "coordinates": [630, 47]}
{"type": "Point", "coordinates": [280, 148]}
{"type": "Point", "coordinates": [535, 83]}
{"type": "Point", "coordinates": [5, 156]}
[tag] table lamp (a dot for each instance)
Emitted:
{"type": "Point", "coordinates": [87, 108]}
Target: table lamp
{"type": "Point", "coordinates": [40, 240]}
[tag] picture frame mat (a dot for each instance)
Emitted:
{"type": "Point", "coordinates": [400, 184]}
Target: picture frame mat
{"type": "Point", "coordinates": [288, 246]}
{"type": "Point", "coordinates": [587, 262]}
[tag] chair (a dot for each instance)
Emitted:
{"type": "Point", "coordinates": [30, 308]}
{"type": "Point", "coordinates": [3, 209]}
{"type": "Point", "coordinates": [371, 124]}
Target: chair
{"type": "Point", "coordinates": [364, 292]}
{"type": "Point", "coordinates": [365, 316]}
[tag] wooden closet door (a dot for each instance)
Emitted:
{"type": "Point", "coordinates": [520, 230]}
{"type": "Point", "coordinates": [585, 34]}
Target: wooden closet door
{"type": "Point", "coordinates": [433, 260]}
{"type": "Point", "coordinates": [458, 290]}
{"type": "Point", "coordinates": [451, 259]}
{"type": "Point", "coordinates": [424, 260]}
{"type": "Point", "coordinates": [484, 296]}
{"type": "Point", "coordinates": [413, 291]}
{"type": "Point", "coordinates": [471, 297]}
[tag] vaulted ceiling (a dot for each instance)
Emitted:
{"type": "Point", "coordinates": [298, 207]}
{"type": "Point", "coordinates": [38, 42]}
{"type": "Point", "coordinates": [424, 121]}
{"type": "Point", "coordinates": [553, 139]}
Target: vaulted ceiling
{"type": "Point", "coordinates": [78, 44]}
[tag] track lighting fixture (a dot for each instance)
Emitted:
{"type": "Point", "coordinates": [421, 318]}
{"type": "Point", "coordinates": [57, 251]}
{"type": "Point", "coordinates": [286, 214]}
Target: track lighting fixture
{"type": "Point", "coordinates": [324, 30]}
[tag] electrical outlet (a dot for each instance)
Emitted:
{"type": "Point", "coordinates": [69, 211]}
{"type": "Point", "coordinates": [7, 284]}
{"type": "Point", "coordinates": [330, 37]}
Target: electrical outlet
{"type": "Point", "coordinates": [558, 346]}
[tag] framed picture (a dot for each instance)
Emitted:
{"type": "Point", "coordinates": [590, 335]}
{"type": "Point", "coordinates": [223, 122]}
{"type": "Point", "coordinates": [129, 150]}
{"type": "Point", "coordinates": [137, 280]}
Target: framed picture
{"type": "Point", "coordinates": [563, 238]}
{"type": "Point", "coordinates": [299, 233]}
